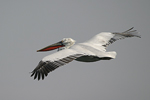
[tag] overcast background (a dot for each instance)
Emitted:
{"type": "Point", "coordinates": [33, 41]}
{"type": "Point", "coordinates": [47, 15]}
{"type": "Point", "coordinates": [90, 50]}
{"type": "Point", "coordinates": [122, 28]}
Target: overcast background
{"type": "Point", "coordinates": [28, 25]}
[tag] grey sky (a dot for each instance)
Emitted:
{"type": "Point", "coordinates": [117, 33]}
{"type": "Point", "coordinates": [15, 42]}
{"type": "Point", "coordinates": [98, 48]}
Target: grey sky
{"type": "Point", "coordinates": [28, 25]}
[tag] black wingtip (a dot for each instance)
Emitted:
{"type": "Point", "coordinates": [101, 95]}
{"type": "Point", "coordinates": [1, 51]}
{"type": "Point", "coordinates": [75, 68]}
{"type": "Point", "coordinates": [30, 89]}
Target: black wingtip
{"type": "Point", "coordinates": [128, 30]}
{"type": "Point", "coordinates": [35, 75]}
{"type": "Point", "coordinates": [39, 76]}
{"type": "Point", "coordinates": [32, 74]}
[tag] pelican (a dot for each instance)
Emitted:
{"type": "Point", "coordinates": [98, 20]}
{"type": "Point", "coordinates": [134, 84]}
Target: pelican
{"type": "Point", "coordinates": [89, 51]}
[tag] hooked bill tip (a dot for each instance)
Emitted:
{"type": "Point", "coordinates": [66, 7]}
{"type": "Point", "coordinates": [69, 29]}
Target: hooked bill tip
{"type": "Point", "coordinates": [37, 50]}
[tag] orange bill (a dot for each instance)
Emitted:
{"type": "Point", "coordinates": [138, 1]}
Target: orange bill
{"type": "Point", "coordinates": [52, 47]}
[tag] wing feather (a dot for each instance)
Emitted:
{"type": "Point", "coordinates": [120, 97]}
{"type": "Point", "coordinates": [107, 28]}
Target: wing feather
{"type": "Point", "coordinates": [117, 36]}
{"type": "Point", "coordinates": [105, 38]}
{"type": "Point", "coordinates": [44, 67]}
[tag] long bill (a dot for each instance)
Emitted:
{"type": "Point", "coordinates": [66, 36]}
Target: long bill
{"type": "Point", "coordinates": [52, 47]}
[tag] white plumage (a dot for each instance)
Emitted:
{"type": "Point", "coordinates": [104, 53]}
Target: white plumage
{"type": "Point", "coordinates": [89, 51]}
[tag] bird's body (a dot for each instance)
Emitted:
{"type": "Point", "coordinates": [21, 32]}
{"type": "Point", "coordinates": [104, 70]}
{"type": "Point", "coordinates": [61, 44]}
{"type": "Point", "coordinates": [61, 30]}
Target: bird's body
{"type": "Point", "coordinates": [89, 51]}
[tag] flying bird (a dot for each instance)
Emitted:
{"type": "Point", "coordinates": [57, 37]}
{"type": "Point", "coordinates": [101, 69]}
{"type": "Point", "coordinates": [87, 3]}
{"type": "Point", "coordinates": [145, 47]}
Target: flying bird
{"type": "Point", "coordinates": [89, 51]}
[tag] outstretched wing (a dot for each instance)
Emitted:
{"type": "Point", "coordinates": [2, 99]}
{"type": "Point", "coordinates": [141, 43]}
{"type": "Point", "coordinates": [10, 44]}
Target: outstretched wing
{"type": "Point", "coordinates": [53, 61]}
{"type": "Point", "coordinates": [106, 38]}
{"type": "Point", "coordinates": [122, 35]}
